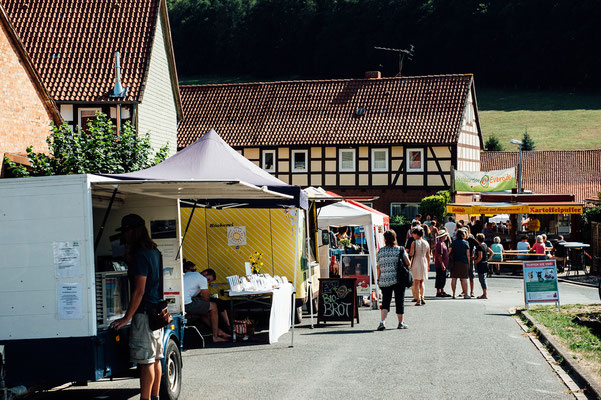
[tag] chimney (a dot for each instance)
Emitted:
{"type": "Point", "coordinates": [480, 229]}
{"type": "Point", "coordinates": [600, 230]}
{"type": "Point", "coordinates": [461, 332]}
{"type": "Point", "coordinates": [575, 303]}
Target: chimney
{"type": "Point", "coordinates": [118, 91]}
{"type": "Point", "coordinates": [373, 75]}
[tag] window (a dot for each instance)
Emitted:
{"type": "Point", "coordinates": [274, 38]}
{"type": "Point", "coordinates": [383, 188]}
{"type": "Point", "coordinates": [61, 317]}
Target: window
{"type": "Point", "coordinates": [346, 160]}
{"type": "Point", "coordinates": [269, 160]}
{"type": "Point", "coordinates": [86, 115]}
{"type": "Point", "coordinates": [408, 210]}
{"type": "Point", "coordinates": [379, 160]}
{"type": "Point", "coordinates": [415, 160]}
{"type": "Point", "coordinates": [299, 160]}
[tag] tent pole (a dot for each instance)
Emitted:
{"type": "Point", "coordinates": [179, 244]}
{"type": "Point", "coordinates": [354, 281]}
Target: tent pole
{"type": "Point", "coordinates": [310, 285]}
{"type": "Point", "coordinates": [186, 231]}
{"type": "Point", "coordinates": [293, 309]}
{"type": "Point", "coordinates": [106, 215]}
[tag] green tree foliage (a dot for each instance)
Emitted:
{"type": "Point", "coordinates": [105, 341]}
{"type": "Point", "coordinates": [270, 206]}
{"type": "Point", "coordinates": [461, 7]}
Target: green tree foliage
{"type": "Point", "coordinates": [435, 205]}
{"type": "Point", "coordinates": [592, 214]}
{"type": "Point", "coordinates": [399, 220]}
{"type": "Point", "coordinates": [527, 142]}
{"type": "Point", "coordinates": [335, 38]}
{"type": "Point", "coordinates": [97, 149]}
{"type": "Point", "coordinates": [493, 144]}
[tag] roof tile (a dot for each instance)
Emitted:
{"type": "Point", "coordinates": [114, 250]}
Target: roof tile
{"type": "Point", "coordinates": [425, 109]}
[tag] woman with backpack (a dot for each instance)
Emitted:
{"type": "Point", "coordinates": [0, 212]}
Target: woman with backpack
{"type": "Point", "coordinates": [387, 260]}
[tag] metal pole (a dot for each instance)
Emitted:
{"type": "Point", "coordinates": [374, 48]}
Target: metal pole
{"type": "Point", "coordinates": [520, 172]}
{"type": "Point", "coordinates": [309, 285]}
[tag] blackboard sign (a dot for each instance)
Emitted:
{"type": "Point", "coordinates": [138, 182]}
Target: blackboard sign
{"type": "Point", "coordinates": [338, 300]}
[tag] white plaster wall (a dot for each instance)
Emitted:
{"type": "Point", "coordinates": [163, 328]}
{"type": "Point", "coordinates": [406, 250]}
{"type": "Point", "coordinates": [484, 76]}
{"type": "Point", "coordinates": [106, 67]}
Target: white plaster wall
{"type": "Point", "coordinates": [473, 154]}
{"type": "Point", "coordinates": [157, 112]}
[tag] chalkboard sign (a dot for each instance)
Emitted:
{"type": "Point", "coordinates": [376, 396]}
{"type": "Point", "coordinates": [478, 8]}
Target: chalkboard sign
{"type": "Point", "coordinates": [338, 300]}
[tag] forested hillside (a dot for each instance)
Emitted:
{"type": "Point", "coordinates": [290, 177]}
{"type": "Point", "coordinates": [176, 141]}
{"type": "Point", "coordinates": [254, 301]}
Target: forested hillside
{"type": "Point", "coordinates": [506, 43]}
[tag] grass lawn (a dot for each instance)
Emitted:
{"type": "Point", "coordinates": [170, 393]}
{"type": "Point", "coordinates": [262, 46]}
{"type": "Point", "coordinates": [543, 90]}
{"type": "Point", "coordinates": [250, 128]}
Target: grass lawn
{"type": "Point", "coordinates": [581, 341]}
{"type": "Point", "coordinates": [554, 120]}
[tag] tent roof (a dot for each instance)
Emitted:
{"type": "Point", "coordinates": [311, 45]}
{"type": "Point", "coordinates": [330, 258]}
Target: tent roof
{"type": "Point", "coordinates": [211, 159]}
{"type": "Point", "coordinates": [343, 214]}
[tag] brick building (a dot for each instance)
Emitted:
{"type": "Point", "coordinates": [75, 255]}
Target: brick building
{"type": "Point", "coordinates": [392, 138]}
{"type": "Point", "coordinates": [26, 109]}
{"type": "Point", "coordinates": [72, 46]}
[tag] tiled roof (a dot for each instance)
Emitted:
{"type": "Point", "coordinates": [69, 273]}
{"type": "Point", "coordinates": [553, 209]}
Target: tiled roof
{"type": "Point", "coordinates": [425, 109]}
{"type": "Point", "coordinates": [72, 44]}
{"type": "Point", "coordinates": [575, 172]}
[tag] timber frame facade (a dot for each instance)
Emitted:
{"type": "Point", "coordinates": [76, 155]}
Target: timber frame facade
{"type": "Point", "coordinates": [394, 139]}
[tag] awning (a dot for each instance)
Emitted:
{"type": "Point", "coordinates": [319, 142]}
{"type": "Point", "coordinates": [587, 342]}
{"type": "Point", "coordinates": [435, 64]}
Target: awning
{"type": "Point", "coordinates": [197, 190]}
{"type": "Point", "coordinates": [513, 208]}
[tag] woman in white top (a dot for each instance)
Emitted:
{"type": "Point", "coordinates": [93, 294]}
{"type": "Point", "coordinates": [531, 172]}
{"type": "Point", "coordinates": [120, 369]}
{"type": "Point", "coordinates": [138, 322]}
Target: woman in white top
{"type": "Point", "coordinates": [420, 263]}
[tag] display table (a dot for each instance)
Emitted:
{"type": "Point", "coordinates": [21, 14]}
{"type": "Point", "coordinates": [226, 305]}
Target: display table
{"type": "Point", "coordinates": [279, 301]}
{"type": "Point", "coordinates": [575, 253]}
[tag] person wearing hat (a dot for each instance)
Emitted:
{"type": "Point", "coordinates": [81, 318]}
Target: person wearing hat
{"type": "Point", "coordinates": [441, 263]}
{"type": "Point", "coordinates": [144, 272]}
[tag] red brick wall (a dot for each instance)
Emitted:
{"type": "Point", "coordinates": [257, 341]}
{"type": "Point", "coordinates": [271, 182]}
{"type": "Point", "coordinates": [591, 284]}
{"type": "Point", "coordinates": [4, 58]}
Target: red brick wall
{"type": "Point", "coordinates": [24, 118]}
{"type": "Point", "coordinates": [387, 196]}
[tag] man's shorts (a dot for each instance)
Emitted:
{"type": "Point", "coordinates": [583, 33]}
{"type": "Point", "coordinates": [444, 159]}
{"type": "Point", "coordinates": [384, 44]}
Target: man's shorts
{"type": "Point", "coordinates": [145, 346]}
{"type": "Point", "coordinates": [198, 306]}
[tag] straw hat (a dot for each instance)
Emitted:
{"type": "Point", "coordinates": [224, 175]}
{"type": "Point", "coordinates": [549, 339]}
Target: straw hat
{"type": "Point", "coordinates": [441, 233]}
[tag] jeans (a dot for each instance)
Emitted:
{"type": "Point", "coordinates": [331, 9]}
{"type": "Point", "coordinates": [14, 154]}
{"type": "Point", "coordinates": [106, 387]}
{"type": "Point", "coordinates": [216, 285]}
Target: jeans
{"type": "Point", "coordinates": [482, 279]}
{"type": "Point", "coordinates": [399, 297]}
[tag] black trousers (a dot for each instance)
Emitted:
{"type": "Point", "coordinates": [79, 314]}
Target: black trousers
{"type": "Point", "coordinates": [441, 279]}
{"type": "Point", "coordinates": [399, 297]}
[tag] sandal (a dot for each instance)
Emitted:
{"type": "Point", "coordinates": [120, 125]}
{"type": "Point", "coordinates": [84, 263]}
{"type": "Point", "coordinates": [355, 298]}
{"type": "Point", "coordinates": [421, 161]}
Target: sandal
{"type": "Point", "coordinates": [482, 297]}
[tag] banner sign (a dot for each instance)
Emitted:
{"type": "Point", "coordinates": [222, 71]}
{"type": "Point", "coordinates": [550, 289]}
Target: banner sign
{"type": "Point", "coordinates": [485, 181]}
{"type": "Point", "coordinates": [540, 282]}
{"type": "Point", "coordinates": [487, 209]}
{"type": "Point", "coordinates": [549, 209]}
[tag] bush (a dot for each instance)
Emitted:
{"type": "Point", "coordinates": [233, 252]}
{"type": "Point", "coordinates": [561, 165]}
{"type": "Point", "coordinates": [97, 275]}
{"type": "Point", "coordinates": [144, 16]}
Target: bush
{"type": "Point", "coordinates": [593, 214]}
{"type": "Point", "coordinates": [493, 144]}
{"type": "Point", "coordinates": [434, 205]}
{"type": "Point", "coordinates": [399, 220]}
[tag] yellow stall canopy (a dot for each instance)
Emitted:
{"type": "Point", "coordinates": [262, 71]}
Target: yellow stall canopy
{"type": "Point", "coordinates": [514, 208]}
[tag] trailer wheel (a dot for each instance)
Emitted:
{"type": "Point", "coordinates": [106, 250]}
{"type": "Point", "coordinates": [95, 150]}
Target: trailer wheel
{"type": "Point", "coordinates": [171, 382]}
{"type": "Point", "coordinates": [298, 315]}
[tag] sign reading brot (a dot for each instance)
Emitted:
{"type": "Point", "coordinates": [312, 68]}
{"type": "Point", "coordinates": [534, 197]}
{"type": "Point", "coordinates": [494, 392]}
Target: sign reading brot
{"type": "Point", "coordinates": [338, 300]}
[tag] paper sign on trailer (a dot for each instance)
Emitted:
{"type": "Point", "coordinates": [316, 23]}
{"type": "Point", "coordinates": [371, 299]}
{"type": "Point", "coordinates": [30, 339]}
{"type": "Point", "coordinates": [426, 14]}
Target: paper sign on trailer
{"type": "Point", "coordinates": [540, 282]}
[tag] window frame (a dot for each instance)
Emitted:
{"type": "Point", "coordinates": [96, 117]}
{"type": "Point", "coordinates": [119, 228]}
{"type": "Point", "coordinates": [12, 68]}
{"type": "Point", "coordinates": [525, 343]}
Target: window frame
{"type": "Point", "coordinates": [408, 160]}
{"type": "Point", "coordinates": [79, 110]}
{"type": "Point", "coordinates": [293, 153]}
{"type": "Point", "coordinates": [403, 206]}
{"type": "Point", "coordinates": [263, 153]}
{"type": "Point", "coordinates": [354, 152]}
{"type": "Point", "coordinates": [373, 159]}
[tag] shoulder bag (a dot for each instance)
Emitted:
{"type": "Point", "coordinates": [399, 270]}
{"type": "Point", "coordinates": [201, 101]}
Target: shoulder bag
{"type": "Point", "coordinates": [158, 314]}
{"type": "Point", "coordinates": [403, 274]}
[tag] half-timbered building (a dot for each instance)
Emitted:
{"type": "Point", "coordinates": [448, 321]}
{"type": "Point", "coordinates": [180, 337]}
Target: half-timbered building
{"type": "Point", "coordinates": [73, 46]}
{"type": "Point", "coordinates": [391, 138]}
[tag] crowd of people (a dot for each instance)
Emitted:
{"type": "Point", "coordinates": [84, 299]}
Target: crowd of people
{"type": "Point", "coordinates": [459, 251]}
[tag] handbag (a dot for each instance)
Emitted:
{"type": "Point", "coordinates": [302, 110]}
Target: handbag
{"type": "Point", "coordinates": [158, 313]}
{"type": "Point", "coordinates": [403, 273]}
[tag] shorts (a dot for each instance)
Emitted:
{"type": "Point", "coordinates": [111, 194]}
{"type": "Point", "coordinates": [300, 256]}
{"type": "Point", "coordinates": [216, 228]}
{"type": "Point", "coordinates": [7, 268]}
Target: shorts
{"type": "Point", "coordinates": [145, 346]}
{"type": "Point", "coordinates": [459, 270]}
{"type": "Point", "coordinates": [198, 306]}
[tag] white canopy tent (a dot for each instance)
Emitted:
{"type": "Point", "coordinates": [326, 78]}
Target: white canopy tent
{"type": "Point", "coordinates": [347, 214]}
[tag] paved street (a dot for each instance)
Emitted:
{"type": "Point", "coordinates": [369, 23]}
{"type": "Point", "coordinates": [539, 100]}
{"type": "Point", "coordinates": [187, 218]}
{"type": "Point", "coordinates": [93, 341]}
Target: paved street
{"type": "Point", "coordinates": [468, 349]}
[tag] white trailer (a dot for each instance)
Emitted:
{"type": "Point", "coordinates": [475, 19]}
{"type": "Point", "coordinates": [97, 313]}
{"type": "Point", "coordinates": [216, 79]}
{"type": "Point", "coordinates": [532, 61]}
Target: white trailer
{"type": "Point", "coordinates": [61, 283]}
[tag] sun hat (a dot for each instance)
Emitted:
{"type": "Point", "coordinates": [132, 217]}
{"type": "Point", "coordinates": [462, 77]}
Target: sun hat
{"type": "Point", "coordinates": [130, 221]}
{"type": "Point", "coordinates": [441, 233]}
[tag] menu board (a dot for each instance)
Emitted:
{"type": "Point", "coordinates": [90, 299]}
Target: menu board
{"type": "Point", "coordinates": [338, 300]}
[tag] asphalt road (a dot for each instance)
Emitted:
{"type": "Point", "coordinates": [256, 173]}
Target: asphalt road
{"type": "Point", "coordinates": [468, 349]}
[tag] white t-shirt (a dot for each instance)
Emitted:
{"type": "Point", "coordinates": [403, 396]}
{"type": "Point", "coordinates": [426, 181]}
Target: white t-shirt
{"type": "Point", "coordinates": [450, 227]}
{"type": "Point", "coordinates": [194, 282]}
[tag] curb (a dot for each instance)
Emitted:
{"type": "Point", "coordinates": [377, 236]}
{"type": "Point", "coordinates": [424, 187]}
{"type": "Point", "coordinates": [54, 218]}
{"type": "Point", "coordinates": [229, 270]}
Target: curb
{"type": "Point", "coordinates": [576, 283]}
{"type": "Point", "coordinates": [568, 362]}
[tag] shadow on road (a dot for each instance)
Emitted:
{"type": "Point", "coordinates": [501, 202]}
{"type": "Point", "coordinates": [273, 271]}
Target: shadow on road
{"type": "Point", "coordinates": [341, 332]}
{"type": "Point", "coordinates": [79, 394]}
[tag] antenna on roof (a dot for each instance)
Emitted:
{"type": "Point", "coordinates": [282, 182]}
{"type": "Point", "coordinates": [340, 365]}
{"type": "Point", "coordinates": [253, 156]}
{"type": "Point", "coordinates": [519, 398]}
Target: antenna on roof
{"type": "Point", "coordinates": [402, 54]}
{"type": "Point", "coordinates": [118, 91]}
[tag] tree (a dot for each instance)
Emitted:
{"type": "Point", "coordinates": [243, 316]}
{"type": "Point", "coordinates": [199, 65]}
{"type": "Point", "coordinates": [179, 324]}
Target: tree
{"type": "Point", "coordinates": [97, 149]}
{"type": "Point", "coordinates": [527, 142]}
{"type": "Point", "coordinates": [435, 205]}
{"type": "Point", "coordinates": [493, 144]}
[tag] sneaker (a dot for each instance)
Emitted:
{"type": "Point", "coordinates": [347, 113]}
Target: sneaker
{"type": "Point", "coordinates": [466, 297]}
{"type": "Point", "coordinates": [402, 325]}
{"type": "Point", "coordinates": [381, 327]}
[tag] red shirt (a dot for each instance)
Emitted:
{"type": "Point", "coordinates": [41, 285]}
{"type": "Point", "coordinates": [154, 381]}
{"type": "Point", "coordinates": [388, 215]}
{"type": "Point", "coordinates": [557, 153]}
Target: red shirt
{"type": "Point", "coordinates": [539, 248]}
